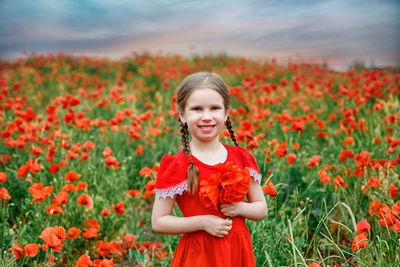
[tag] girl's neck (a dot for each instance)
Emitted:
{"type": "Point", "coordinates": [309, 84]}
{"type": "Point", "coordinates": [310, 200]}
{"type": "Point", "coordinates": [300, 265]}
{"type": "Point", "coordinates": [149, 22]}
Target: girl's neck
{"type": "Point", "coordinates": [210, 153]}
{"type": "Point", "coordinates": [205, 147]}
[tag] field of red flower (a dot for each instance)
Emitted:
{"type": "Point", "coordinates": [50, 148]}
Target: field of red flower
{"type": "Point", "coordinates": [81, 140]}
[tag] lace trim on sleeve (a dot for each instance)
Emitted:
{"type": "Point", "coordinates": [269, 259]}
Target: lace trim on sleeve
{"type": "Point", "coordinates": [171, 191]}
{"type": "Point", "coordinates": [254, 173]}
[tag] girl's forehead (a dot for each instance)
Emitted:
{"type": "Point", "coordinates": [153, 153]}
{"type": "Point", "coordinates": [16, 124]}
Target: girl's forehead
{"type": "Point", "coordinates": [205, 96]}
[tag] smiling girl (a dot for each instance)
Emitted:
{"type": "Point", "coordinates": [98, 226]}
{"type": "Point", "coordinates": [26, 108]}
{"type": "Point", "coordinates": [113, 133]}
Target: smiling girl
{"type": "Point", "coordinates": [210, 237]}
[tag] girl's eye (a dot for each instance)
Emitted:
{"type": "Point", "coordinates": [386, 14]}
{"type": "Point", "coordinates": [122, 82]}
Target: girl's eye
{"type": "Point", "coordinates": [215, 108]}
{"type": "Point", "coordinates": [196, 108]}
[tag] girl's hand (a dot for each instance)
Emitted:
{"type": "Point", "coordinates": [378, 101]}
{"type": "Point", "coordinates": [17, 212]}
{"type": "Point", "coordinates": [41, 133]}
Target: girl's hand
{"type": "Point", "coordinates": [216, 226]}
{"type": "Point", "coordinates": [232, 210]}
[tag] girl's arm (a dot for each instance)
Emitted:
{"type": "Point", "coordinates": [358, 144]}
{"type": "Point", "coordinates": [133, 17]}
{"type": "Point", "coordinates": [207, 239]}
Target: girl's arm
{"type": "Point", "coordinates": [255, 209]}
{"type": "Point", "coordinates": [164, 223]}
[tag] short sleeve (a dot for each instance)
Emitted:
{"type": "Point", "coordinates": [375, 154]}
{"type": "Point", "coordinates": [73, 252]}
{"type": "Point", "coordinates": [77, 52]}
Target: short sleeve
{"type": "Point", "coordinates": [250, 164]}
{"type": "Point", "coordinates": [171, 177]}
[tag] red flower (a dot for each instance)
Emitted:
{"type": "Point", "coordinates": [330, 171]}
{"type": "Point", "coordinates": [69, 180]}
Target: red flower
{"type": "Point", "coordinates": [40, 192]}
{"type": "Point", "coordinates": [53, 237]}
{"type": "Point", "coordinates": [281, 150]}
{"type": "Point", "coordinates": [324, 177]}
{"type": "Point", "coordinates": [373, 182]}
{"type": "Point", "coordinates": [291, 158]}
{"type": "Point", "coordinates": [314, 161]}
{"type": "Point", "coordinates": [72, 176]}
{"type": "Point", "coordinates": [80, 186]}
{"type": "Point", "coordinates": [228, 185]}
{"type": "Point", "coordinates": [105, 212]}
{"type": "Point", "coordinates": [270, 190]}
{"type": "Point", "coordinates": [4, 193]}
{"type": "Point", "coordinates": [107, 152]}
{"type": "Point", "coordinates": [360, 241]}
{"type": "Point", "coordinates": [146, 172]}
{"type": "Point", "coordinates": [128, 241]}
{"type": "Point", "coordinates": [88, 145]}
{"type": "Point", "coordinates": [314, 264]}
{"type": "Point", "coordinates": [86, 200]}
{"type": "Point", "coordinates": [90, 233]}
{"type": "Point", "coordinates": [16, 250]}
{"type": "Point", "coordinates": [3, 177]}
{"type": "Point", "coordinates": [73, 233]}
{"type": "Point", "coordinates": [31, 250]}
{"type": "Point", "coordinates": [134, 192]}
{"type": "Point", "coordinates": [61, 198]}
{"type": "Point", "coordinates": [338, 182]}
{"type": "Point", "coordinates": [54, 209]}
{"type": "Point", "coordinates": [84, 261]}
{"type": "Point", "coordinates": [393, 190]}
{"type": "Point", "coordinates": [54, 168]}
{"type": "Point", "coordinates": [112, 162]}
{"type": "Point", "coordinates": [119, 208]}
{"type": "Point", "coordinates": [363, 226]}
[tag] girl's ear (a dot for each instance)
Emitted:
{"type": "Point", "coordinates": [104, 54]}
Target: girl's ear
{"type": "Point", "coordinates": [227, 114]}
{"type": "Point", "coordinates": [180, 113]}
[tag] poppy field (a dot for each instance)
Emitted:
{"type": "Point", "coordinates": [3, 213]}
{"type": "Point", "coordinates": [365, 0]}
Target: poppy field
{"type": "Point", "coordinates": [81, 140]}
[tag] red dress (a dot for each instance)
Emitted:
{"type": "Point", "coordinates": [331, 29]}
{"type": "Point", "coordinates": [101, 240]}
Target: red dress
{"type": "Point", "coordinates": [200, 248]}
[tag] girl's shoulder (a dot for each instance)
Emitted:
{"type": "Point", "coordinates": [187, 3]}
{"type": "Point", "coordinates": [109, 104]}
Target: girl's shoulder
{"type": "Point", "coordinates": [172, 175]}
{"type": "Point", "coordinates": [248, 160]}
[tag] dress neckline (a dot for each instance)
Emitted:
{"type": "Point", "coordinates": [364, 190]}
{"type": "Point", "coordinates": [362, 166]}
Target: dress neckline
{"type": "Point", "coordinates": [213, 166]}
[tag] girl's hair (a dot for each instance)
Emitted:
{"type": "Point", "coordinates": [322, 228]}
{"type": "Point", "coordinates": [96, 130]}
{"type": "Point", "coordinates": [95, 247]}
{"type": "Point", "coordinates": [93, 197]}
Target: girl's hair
{"type": "Point", "coordinates": [186, 88]}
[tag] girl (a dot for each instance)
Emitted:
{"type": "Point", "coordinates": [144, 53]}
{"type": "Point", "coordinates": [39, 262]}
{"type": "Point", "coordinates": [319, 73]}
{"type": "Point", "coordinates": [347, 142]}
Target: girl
{"type": "Point", "coordinates": [210, 238]}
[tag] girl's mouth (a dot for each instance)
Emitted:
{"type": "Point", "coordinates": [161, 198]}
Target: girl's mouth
{"type": "Point", "coordinates": [206, 127]}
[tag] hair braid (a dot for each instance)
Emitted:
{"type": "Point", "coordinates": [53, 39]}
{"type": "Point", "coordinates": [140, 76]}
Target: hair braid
{"type": "Point", "coordinates": [228, 124]}
{"type": "Point", "coordinates": [193, 171]}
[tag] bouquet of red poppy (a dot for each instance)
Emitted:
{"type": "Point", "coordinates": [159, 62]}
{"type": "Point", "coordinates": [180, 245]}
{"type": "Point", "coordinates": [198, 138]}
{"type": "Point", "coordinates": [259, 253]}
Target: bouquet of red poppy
{"type": "Point", "coordinates": [228, 185]}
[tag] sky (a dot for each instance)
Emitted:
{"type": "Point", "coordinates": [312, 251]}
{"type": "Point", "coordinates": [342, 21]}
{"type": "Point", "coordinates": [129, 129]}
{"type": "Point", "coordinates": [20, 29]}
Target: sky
{"type": "Point", "coordinates": [338, 33]}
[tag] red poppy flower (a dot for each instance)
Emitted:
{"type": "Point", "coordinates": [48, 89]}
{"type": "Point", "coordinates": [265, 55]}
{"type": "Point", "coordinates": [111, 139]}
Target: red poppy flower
{"type": "Point", "coordinates": [53, 238]}
{"type": "Point", "coordinates": [324, 177]}
{"type": "Point", "coordinates": [128, 241]}
{"type": "Point", "coordinates": [54, 168]}
{"type": "Point", "coordinates": [72, 176]}
{"type": "Point", "coordinates": [54, 209]}
{"type": "Point", "coordinates": [105, 212]}
{"type": "Point", "coordinates": [393, 190]}
{"type": "Point", "coordinates": [73, 233]}
{"type": "Point", "coordinates": [360, 241]}
{"type": "Point", "coordinates": [80, 186]}
{"type": "Point", "coordinates": [107, 152]}
{"type": "Point", "coordinates": [228, 185]}
{"type": "Point", "coordinates": [112, 162]}
{"type": "Point", "coordinates": [86, 200]}
{"type": "Point", "coordinates": [88, 145]}
{"type": "Point", "coordinates": [314, 264]}
{"type": "Point", "coordinates": [146, 172]}
{"type": "Point", "coordinates": [314, 161]}
{"type": "Point", "coordinates": [134, 193]}
{"type": "Point", "coordinates": [90, 233]}
{"type": "Point", "coordinates": [31, 250]}
{"type": "Point", "coordinates": [338, 182]}
{"type": "Point", "coordinates": [4, 193]}
{"type": "Point", "coordinates": [16, 250]}
{"type": "Point", "coordinates": [363, 226]}
{"type": "Point", "coordinates": [40, 192]}
{"type": "Point", "coordinates": [281, 150]}
{"type": "Point", "coordinates": [106, 263]}
{"type": "Point", "coordinates": [61, 198]}
{"type": "Point", "coordinates": [3, 177]}
{"type": "Point", "coordinates": [119, 208]}
{"type": "Point", "coordinates": [270, 190]}
{"type": "Point", "coordinates": [84, 261]}
{"type": "Point", "coordinates": [373, 182]}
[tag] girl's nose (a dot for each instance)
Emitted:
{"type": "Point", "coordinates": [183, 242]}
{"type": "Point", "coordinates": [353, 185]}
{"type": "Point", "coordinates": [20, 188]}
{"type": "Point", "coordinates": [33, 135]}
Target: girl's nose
{"type": "Point", "coordinates": [206, 116]}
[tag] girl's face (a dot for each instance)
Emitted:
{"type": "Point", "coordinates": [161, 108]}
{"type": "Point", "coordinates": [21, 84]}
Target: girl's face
{"type": "Point", "coordinates": [204, 114]}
